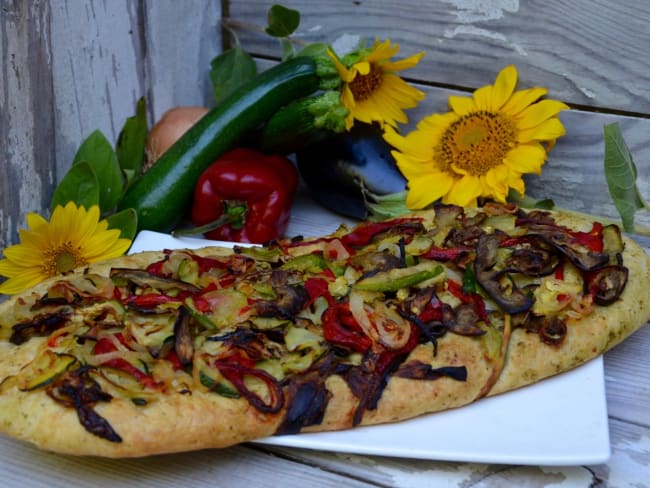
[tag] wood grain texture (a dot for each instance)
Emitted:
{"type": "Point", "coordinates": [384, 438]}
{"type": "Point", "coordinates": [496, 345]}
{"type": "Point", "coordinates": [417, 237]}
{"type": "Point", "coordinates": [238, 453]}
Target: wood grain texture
{"type": "Point", "coordinates": [26, 115]}
{"type": "Point", "coordinates": [589, 52]}
{"type": "Point", "coordinates": [69, 68]}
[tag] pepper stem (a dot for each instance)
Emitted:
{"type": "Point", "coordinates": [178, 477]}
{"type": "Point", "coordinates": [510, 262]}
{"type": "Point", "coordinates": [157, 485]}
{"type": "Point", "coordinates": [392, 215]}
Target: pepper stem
{"type": "Point", "coordinates": [234, 214]}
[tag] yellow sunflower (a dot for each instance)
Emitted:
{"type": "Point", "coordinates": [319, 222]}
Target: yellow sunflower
{"type": "Point", "coordinates": [74, 237]}
{"type": "Point", "coordinates": [482, 148]}
{"type": "Point", "coordinates": [372, 91]}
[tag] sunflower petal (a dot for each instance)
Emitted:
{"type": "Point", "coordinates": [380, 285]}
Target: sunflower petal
{"type": "Point", "coordinates": [461, 105]}
{"type": "Point", "coordinates": [465, 191]}
{"type": "Point", "coordinates": [522, 99]}
{"type": "Point", "coordinates": [546, 131]}
{"type": "Point", "coordinates": [21, 282]}
{"type": "Point", "coordinates": [483, 98]}
{"type": "Point", "coordinates": [527, 158]}
{"type": "Point", "coordinates": [538, 113]}
{"type": "Point", "coordinates": [403, 64]}
{"type": "Point", "coordinates": [428, 188]}
{"type": "Point", "coordinates": [496, 183]}
{"type": "Point", "coordinates": [504, 86]}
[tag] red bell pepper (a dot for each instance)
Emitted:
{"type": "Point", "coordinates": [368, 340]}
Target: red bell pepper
{"type": "Point", "coordinates": [245, 196]}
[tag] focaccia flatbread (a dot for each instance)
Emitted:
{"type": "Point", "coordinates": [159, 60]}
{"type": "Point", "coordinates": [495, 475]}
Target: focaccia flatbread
{"type": "Point", "coordinates": [171, 351]}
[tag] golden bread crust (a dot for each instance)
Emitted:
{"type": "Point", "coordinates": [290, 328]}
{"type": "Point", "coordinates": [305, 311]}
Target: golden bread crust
{"type": "Point", "coordinates": [200, 419]}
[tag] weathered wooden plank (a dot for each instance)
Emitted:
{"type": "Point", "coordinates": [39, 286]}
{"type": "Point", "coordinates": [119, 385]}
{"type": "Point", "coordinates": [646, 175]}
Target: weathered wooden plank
{"type": "Point", "coordinates": [591, 53]}
{"type": "Point", "coordinates": [181, 39]}
{"type": "Point", "coordinates": [72, 67]}
{"type": "Point", "coordinates": [26, 101]}
{"type": "Point", "coordinates": [24, 465]}
{"type": "Point", "coordinates": [627, 379]}
{"type": "Point", "coordinates": [627, 467]}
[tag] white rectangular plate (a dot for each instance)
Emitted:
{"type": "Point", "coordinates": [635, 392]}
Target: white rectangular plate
{"type": "Point", "coordinates": [559, 421]}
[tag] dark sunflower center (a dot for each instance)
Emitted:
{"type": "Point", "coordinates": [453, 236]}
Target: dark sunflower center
{"type": "Point", "coordinates": [63, 259]}
{"type": "Point", "coordinates": [477, 142]}
{"type": "Point", "coordinates": [365, 85]}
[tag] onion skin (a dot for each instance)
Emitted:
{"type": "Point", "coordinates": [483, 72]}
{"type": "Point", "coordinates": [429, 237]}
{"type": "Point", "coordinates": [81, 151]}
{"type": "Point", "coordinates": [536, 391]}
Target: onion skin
{"type": "Point", "coordinates": [172, 125]}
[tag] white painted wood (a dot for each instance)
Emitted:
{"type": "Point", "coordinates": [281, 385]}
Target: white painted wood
{"type": "Point", "coordinates": [590, 52]}
{"type": "Point", "coordinates": [71, 67]}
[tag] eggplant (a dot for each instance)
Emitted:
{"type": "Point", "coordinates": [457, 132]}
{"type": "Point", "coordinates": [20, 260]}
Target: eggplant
{"type": "Point", "coordinates": [343, 171]}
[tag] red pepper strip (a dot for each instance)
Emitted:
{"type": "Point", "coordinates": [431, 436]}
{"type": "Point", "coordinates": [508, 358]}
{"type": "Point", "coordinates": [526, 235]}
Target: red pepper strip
{"type": "Point", "coordinates": [340, 328]}
{"type": "Point", "coordinates": [318, 287]}
{"type": "Point", "coordinates": [515, 241]}
{"type": "Point", "coordinates": [444, 253]}
{"type": "Point", "coordinates": [253, 189]}
{"type": "Point", "coordinates": [105, 345]}
{"type": "Point", "coordinates": [152, 300]}
{"type": "Point", "coordinates": [172, 357]}
{"type": "Point", "coordinates": [381, 366]}
{"type": "Point", "coordinates": [235, 373]}
{"type": "Point", "coordinates": [388, 357]}
{"type": "Point", "coordinates": [592, 240]}
{"type": "Point", "coordinates": [206, 264]}
{"type": "Point", "coordinates": [474, 299]}
{"type": "Point", "coordinates": [156, 268]}
{"type": "Point", "coordinates": [364, 233]}
{"type": "Point", "coordinates": [432, 311]}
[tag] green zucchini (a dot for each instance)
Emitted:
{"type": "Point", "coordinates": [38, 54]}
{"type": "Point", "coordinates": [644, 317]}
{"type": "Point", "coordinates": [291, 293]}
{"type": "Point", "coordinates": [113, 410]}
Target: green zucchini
{"type": "Point", "coordinates": [162, 194]}
{"type": "Point", "coordinates": [302, 122]}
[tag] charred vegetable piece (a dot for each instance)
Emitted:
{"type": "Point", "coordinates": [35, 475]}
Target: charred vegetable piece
{"type": "Point", "coordinates": [149, 280]}
{"type": "Point", "coordinates": [183, 341]}
{"type": "Point", "coordinates": [308, 400]}
{"type": "Point", "coordinates": [512, 301]}
{"type": "Point", "coordinates": [78, 390]}
{"type": "Point", "coordinates": [532, 262]}
{"type": "Point", "coordinates": [584, 249]}
{"type": "Point", "coordinates": [552, 330]}
{"type": "Point", "coordinates": [417, 370]}
{"type": "Point", "coordinates": [41, 325]}
{"type": "Point", "coordinates": [607, 284]}
{"type": "Point", "coordinates": [464, 321]}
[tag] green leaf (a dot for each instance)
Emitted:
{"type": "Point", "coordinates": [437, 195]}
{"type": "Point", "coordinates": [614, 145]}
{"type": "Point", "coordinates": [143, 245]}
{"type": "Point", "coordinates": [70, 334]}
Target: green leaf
{"type": "Point", "coordinates": [99, 154]}
{"type": "Point", "coordinates": [381, 207]}
{"type": "Point", "coordinates": [79, 185]}
{"type": "Point", "coordinates": [230, 70]}
{"type": "Point", "coordinates": [132, 141]}
{"type": "Point", "coordinates": [282, 21]}
{"type": "Point", "coordinates": [621, 173]}
{"type": "Point", "coordinates": [126, 221]}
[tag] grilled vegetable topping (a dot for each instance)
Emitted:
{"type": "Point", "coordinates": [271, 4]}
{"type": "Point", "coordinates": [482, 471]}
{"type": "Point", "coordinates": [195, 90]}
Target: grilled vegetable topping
{"type": "Point", "coordinates": [269, 325]}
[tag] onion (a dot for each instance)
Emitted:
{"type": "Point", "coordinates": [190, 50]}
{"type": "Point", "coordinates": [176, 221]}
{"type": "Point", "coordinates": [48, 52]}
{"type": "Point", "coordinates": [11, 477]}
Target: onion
{"type": "Point", "coordinates": [385, 326]}
{"type": "Point", "coordinates": [335, 249]}
{"type": "Point", "coordinates": [171, 126]}
{"type": "Point", "coordinates": [358, 311]}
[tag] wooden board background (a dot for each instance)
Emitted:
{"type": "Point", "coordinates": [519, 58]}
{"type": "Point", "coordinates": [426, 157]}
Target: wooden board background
{"type": "Point", "coordinates": [72, 66]}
